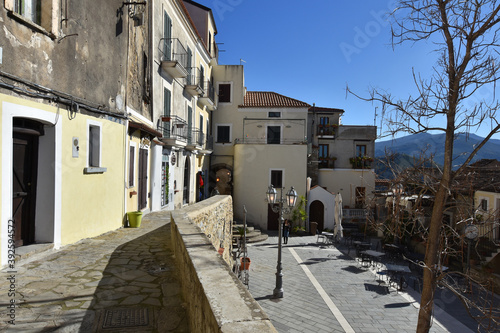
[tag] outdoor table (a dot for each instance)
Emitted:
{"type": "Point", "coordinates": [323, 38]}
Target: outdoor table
{"type": "Point", "coordinates": [327, 237]}
{"type": "Point", "coordinates": [374, 255]}
{"type": "Point", "coordinates": [391, 268]}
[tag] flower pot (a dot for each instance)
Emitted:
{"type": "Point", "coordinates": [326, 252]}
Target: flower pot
{"type": "Point", "coordinates": [221, 250]}
{"type": "Point", "coordinates": [134, 219]}
{"type": "Point", "coordinates": [245, 265]}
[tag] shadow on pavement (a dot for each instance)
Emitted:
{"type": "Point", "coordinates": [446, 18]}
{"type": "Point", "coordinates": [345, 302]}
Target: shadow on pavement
{"type": "Point", "coordinates": [139, 290]}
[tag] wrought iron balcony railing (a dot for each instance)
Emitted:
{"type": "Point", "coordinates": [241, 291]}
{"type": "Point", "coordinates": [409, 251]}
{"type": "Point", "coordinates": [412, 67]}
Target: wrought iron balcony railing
{"type": "Point", "coordinates": [173, 127]}
{"type": "Point", "coordinates": [174, 57]}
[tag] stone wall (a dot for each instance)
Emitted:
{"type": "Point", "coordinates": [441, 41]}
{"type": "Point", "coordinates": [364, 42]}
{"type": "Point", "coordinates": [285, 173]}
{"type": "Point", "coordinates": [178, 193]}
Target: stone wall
{"type": "Point", "coordinates": [214, 217]}
{"type": "Point", "coordinates": [216, 300]}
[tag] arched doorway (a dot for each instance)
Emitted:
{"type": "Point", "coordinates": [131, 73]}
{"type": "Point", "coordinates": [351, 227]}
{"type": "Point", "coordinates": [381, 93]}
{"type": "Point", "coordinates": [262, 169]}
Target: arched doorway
{"type": "Point", "coordinates": [185, 195]}
{"type": "Point", "coordinates": [317, 214]}
{"type": "Point", "coordinates": [221, 176]}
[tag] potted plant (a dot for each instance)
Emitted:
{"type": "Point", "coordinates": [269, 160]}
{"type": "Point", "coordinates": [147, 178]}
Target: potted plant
{"type": "Point", "coordinates": [165, 119]}
{"type": "Point", "coordinates": [245, 263]}
{"type": "Point", "coordinates": [134, 219]}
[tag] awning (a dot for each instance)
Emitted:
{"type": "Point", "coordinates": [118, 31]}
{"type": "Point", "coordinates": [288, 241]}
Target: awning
{"type": "Point", "coordinates": [145, 128]}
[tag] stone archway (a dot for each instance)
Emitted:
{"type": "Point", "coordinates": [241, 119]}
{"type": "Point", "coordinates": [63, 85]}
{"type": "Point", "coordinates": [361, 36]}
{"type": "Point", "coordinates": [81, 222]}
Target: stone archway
{"type": "Point", "coordinates": [221, 178]}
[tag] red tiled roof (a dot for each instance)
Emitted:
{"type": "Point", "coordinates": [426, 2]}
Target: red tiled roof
{"type": "Point", "coordinates": [266, 99]}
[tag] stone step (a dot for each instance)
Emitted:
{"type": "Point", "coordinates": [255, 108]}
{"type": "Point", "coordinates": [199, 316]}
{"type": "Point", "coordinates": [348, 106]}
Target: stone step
{"type": "Point", "coordinates": [493, 255]}
{"type": "Point", "coordinates": [237, 226]}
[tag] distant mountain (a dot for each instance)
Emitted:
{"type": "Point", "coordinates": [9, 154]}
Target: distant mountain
{"type": "Point", "coordinates": [414, 145]}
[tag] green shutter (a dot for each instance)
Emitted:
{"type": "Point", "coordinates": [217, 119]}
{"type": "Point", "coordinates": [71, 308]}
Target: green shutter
{"type": "Point", "coordinates": [167, 35]}
{"type": "Point", "coordinates": [190, 80]}
{"type": "Point", "coordinates": [166, 102]}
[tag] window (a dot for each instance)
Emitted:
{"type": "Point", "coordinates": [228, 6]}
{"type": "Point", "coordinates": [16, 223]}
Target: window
{"type": "Point", "coordinates": [274, 114]}
{"type": "Point", "coordinates": [201, 123]}
{"type": "Point", "coordinates": [36, 11]}
{"type": "Point", "coordinates": [223, 134]}
{"type": "Point", "coordinates": [224, 93]}
{"type": "Point", "coordinates": [94, 146]}
{"type": "Point", "coordinates": [131, 167]}
{"type": "Point", "coordinates": [323, 151]}
{"type": "Point", "coordinates": [361, 150]}
{"type": "Point", "coordinates": [277, 178]}
{"type": "Point", "coordinates": [210, 43]}
{"type": "Point", "coordinates": [273, 135]}
{"type": "Point", "coordinates": [484, 204]}
{"type": "Point", "coordinates": [324, 120]}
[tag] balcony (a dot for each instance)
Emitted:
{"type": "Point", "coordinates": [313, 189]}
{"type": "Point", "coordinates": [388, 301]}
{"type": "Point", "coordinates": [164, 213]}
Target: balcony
{"type": "Point", "coordinates": [361, 162]}
{"type": "Point", "coordinates": [327, 131]}
{"type": "Point", "coordinates": [208, 96]}
{"type": "Point", "coordinates": [174, 57]}
{"type": "Point", "coordinates": [174, 130]}
{"type": "Point", "coordinates": [194, 83]}
{"type": "Point", "coordinates": [197, 140]}
{"type": "Point", "coordinates": [327, 162]}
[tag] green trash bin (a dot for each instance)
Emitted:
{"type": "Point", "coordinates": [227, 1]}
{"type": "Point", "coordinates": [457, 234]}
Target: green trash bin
{"type": "Point", "coordinates": [134, 219]}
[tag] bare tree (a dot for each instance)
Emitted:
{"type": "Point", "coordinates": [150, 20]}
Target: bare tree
{"type": "Point", "coordinates": [465, 35]}
{"type": "Point", "coordinates": [403, 216]}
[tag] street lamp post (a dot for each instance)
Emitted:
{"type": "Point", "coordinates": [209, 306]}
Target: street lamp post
{"type": "Point", "coordinates": [291, 197]}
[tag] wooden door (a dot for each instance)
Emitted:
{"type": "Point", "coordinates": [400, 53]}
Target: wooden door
{"type": "Point", "coordinates": [25, 162]}
{"type": "Point", "coordinates": [143, 178]}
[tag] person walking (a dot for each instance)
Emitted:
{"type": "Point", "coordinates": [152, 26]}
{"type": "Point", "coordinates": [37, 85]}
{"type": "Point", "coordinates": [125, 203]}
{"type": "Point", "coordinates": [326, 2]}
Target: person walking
{"type": "Point", "coordinates": [286, 231]}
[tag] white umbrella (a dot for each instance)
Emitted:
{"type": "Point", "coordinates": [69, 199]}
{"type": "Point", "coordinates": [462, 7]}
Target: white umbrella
{"type": "Point", "coordinates": [338, 216]}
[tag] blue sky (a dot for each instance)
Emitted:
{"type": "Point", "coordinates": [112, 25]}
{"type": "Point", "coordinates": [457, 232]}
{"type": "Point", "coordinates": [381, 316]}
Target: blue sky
{"type": "Point", "coordinates": [310, 50]}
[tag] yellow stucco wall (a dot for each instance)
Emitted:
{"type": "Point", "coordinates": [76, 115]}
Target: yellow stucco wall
{"type": "Point", "coordinates": [92, 203]}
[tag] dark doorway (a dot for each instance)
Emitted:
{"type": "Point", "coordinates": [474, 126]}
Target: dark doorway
{"type": "Point", "coordinates": [317, 214]}
{"type": "Point", "coordinates": [185, 194]}
{"type": "Point", "coordinates": [25, 165]}
{"type": "Point", "coordinates": [143, 178]}
{"type": "Point", "coordinates": [272, 219]}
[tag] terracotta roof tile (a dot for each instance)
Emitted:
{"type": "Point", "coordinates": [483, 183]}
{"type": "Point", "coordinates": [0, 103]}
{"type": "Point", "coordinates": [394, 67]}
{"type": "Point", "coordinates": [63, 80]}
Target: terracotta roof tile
{"type": "Point", "coordinates": [265, 99]}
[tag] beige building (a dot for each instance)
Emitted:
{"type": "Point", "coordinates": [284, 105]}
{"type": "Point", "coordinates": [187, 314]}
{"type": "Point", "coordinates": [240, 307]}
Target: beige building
{"type": "Point", "coordinates": [260, 139]}
{"type": "Point", "coordinates": [184, 51]}
{"type": "Point", "coordinates": [340, 159]}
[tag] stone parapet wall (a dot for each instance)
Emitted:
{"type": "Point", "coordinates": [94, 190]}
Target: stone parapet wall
{"type": "Point", "coordinates": [216, 300]}
{"type": "Point", "coordinates": [214, 217]}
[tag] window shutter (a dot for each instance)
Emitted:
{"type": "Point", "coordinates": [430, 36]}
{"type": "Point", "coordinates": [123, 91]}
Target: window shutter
{"type": "Point", "coordinates": [167, 34]}
{"type": "Point", "coordinates": [166, 100]}
{"type": "Point", "coordinates": [9, 5]}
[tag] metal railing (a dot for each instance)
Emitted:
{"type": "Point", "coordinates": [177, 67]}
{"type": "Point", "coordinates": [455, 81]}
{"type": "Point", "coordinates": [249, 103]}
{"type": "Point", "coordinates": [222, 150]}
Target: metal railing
{"type": "Point", "coordinates": [285, 141]}
{"type": "Point", "coordinates": [195, 136]}
{"type": "Point", "coordinates": [194, 77]}
{"type": "Point", "coordinates": [173, 127]}
{"type": "Point", "coordinates": [354, 213]}
{"type": "Point", "coordinates": [209, 90]}
{"type": "Point", "coordinates": [326, 130]}
{"type": "Point", "coordinates": [489, 238]}
{"type": "Point", "coordinates": [171, 49]}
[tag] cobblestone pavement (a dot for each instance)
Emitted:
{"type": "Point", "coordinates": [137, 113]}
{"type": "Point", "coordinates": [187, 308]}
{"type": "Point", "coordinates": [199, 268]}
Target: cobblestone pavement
{"type": "Point", "coordinates": [120, 279]}
{"type": "Point", "coordinates": [326, 291]}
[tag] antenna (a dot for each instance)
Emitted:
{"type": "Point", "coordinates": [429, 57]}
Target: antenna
{"type": "Point", "coordinates": [242, 61]}
{"type": "Point", "coordinates": [375, 117]}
